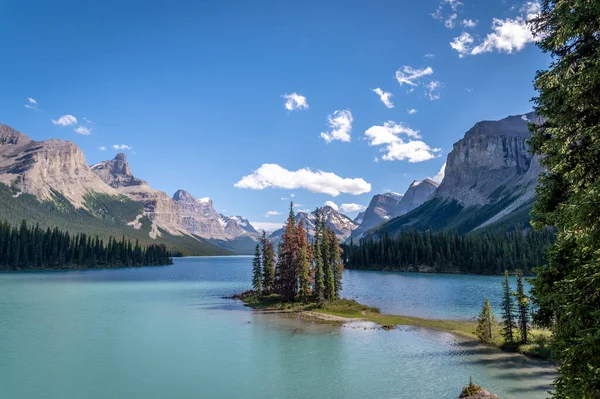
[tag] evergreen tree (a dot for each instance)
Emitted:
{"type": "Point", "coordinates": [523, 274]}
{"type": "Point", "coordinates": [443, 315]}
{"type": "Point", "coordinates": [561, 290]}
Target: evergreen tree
{"type": "Point", "coordinates": [523, 307]}
{"type": "Point", "coordinates": [319, 284]}
{"type": "Point", "coordinates": [268, 265]}
{"type": "Point", "coordinates": [257, 271]}
{"type": "Point", "coordinates": [508, 309]}
{"type": "Point", "coordinates": [288, 259]}
{"type": "Point", "coordinates": [337, 267]}
{"type": "Point", "coordinates": [303, 263]}
{"type": "Point", "coordinates": [565, 290]}
{"type": "Point", "coordinates": [486, 323]}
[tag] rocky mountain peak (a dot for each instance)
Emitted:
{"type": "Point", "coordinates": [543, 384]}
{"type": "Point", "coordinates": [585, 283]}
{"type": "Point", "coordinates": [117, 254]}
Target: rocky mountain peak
{"type": "Point", "coordinates": [182, 195]}
{"type": "Point", "coordinates": [116, 172]}
{"type": "Point", "coordinates": [9, 136]}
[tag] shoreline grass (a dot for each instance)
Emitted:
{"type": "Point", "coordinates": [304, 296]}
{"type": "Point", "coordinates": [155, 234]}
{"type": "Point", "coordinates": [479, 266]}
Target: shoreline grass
{"type": "Point", "coordinates": [349, 309]}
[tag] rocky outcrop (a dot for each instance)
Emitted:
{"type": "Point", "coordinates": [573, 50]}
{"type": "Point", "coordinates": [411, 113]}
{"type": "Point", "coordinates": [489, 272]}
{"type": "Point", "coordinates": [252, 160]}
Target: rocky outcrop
{"type": "Point", "coordinates": [416, 195]}
{"type": "Point", "coordinates": [116, 172]}
{"type": "Point", "coordinates": [200, 218]}
{"type": "Point", "coordinates": [341, 224]}
{"type": "Point", "coordinates": [491, 161]}
{"type": "Point", "coordinates": [474, 391]}
{"type": "Point", "coordinates": [47, 168]}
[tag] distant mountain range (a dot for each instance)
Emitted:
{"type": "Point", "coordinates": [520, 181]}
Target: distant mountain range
{"type": "Point", "coordinates": [489, 181]}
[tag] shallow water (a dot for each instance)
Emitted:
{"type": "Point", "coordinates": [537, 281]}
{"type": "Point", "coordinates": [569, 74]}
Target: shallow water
{"type": "Point", "coordinates": [166, 332]}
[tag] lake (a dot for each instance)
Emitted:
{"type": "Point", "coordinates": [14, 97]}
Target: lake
{"type": "Point", "coordinates": [167, 332]}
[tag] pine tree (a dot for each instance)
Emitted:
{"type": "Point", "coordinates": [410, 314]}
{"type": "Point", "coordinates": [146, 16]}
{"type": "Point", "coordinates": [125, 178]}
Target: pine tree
{"type": "Point", "coordinates": [257, 271]}
{"type": "Point", "coordinates": [288, 259]}
{"type": "Point", "coordinates": [337, 267]}
{"type": "Point", "coordinates": [303, 264]}
{"type": "Point", "coordinates": [486, 323]}
{"type": "Point", "coordinates": [508, 309]}
{"type": "Point", "coordinates": [523, 306]}
{"type": "Point", "coordinates": [268, 264]}
{"type": "Point", "coordinates": [319, 285]}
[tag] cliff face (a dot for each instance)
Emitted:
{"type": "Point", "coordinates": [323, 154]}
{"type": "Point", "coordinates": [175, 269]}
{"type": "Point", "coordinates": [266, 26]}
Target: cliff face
{"type": "Point", "coordinates": [491, 161]}
{"type": "Point", "coordinates": [44, 168]}
{"type": "Point", "coordinates": [116, 172]}
{"type": "Point", "coordinates": [418, 192]}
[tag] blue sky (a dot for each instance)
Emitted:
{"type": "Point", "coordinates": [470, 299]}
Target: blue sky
{"type": "Point", "coordinates": [196, 90]}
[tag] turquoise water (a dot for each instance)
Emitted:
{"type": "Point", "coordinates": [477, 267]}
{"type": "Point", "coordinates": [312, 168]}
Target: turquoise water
{"type": "Point", "coordinates": [166, 332]}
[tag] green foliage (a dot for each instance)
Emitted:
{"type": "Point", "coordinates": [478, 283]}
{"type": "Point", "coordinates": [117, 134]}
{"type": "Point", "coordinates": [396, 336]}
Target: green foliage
{"type": "Point", "coordinates": [523, 308]}
{"type": "Point", "coordinates": [268, 265]}
{"type": "Point", "coordinates": [568, 194]}
{"type": "Point", "coordinates": [32, 248]}
{"type": "Point", "coordinates": [489, 252]}
{"type": "Point", "coordinates": [487, 324]}
{"type": "Point", "coordinates": [508, 310]}
{"type": "Point", "coordinates": [257, 271]}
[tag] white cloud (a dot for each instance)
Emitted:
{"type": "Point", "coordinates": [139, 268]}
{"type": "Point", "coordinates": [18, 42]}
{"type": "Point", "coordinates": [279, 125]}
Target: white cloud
{"type": "Point", "coordinates": [349, 208]}
{"type": "Point", "coordinates": [440, 175]}
{"type": "Point", "coordinates": [298, 205]}
{"type": "Point", "coordinates": [429, 55]}
{"type": "Point", "coordinates": [411, 111]}
{"type": "Point", "coordinates": [388, 133]}
{"type": "Point", "coordinates": [450, 22]}
{"type": "Point", "coordinates": [266, 226]}
{"type": "Point", "coordinates": [294, 102]}
{"type": "Point", "coordinates": [447, 12]}
{"type": "Point", "coordinates": [273, 175]}
{"type": "Point", "coordinates": [340, 124]}
{"type": "Point", "coordinates": [469, 23]}
{"type": "Point", "coordinates": [508, 35]}
{"type": "Point", "coordinates": [410, 75]}
{"type": "Point", "coordinates": [65, 120]}
{"type": "Point", "coordinates": [32, 104]}
{"type": "Point", "coordinates": [272, 213]}
{"type": "Point", "coordinates": [413, 151]}
{"type": "Point", "coordinates": [462, 44]}
{"type": "Point", "coordinates": [122, 147]}
{"type": "Point", "coordinates": [102, 148]}
{"type": "Point", "coordinates": [396, 147]}
{"type": "Point", "coordinates": [332, 204]}
{"type": "Point", "coordinates": [431, 90]}
{"type": "Point", "coordinates": [83, 130]}
{"type": "Point", "coordinates": [385, 97]}
{"type": "Point", "coordinates": [376, 160]}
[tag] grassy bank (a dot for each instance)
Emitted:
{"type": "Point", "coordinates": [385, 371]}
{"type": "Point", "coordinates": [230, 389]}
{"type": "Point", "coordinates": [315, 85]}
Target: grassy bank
{"type": "Point", "coordinates": [350, 309]}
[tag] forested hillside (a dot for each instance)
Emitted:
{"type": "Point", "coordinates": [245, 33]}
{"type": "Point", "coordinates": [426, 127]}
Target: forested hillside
{"type": "Point", "coordinates": [489, 252]}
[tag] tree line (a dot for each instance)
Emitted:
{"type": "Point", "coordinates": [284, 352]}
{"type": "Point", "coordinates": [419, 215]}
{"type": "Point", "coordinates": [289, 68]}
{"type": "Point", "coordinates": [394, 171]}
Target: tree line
{"type": "Point", "coordinates": [476, 253]}
{"type": "Point", "coordinates": [30, 248]}
{"type": "Point", "coordinates": [304, 268]}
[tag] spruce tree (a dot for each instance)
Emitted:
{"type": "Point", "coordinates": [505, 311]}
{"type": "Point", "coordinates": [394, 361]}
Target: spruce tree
{"type": "Point", "coordinates": [565, 290]}
{"type": "Point", "coordinates": [257, 271]}
{"type": "Point", "coordinates": [288, 259]}
{"type": "Point", "coordinates": [268, 264]}
{"type": "Point", "coordinates": [319, 285]}
{"type": "Point", "coordinates": [508, 309]}
{"type": "Point", "coordinates": [523, 307]}
{"type": "Point", "coordinates": [337, 268]}
{"type": "Point", "coordinates": [486, 323]}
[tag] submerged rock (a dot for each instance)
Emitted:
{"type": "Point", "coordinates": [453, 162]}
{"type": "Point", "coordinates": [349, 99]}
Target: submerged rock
{"type": "Point", "coordinates": [474, 391]}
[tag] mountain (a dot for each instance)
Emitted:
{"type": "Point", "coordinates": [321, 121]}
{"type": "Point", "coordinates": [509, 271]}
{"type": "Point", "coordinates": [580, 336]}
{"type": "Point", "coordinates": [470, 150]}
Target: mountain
{"type": "Point", "coordinates": [200, 218]}
{"type": "Point", "coordinates": [47, 168]}
{"type": "Point", "coordinates": [490, 180]}
{"type": "Point", "coordinates": [359, 218]}
{"type": "Point", "coordinates": [386, 206]}
{"type": "Point", "coordinates": [341, 224]}
{"type": "Point", "coordinates": [158, 206]}
{"type": "Point", "coordinates": [181, 214]}
{"type": "Point", "coordinates": [50, 184]}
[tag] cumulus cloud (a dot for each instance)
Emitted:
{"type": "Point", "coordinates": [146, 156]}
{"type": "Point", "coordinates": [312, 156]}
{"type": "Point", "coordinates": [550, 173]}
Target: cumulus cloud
{"type": "Point", "coordinates": [273, 175]}
{"type": "Point", "coordinates": [65, 120]}
{"type": "Point", "coordinates": [272, 213]}
{"type": "Point", "coordinates": [82, 130]}
{"type": "Point", "coordinates": [32, 104]}
{"type": "Point", "coordinates": [410, 76]}
{"type": "Point", "coordinates": [447, 12]}
{"type": "Point", "coordinates": [413, 151]}
{"type": "Point", "coordinates": [340, 125]}
{"type": "Point", "coordinates": [102, 148]}
{"type": "Point", "coordinates": [384, 96]}
{"type": "Point", "coordinates": [432, 90]}
{"type": "Point", "coordinates": [462, 44]}
{"type": "Point", "coordinates": [440, 175]}
{"type": "Point", "coordinates": [332, 204]}
{"type": "Point", "coordinates": [295, 102]}
{"type": "Point", "coordinates": [508, 35]}
{"type": "Point", "coordinates": [411, 111]}
{"type": "Point", "coordinates": [349, 208]}
{"type": "Point", "coordinates": [388, 133]}
{"type": "Point", "coordinates": [122, 147]}
{"type": "Point", "coordinates": [398, 142]}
